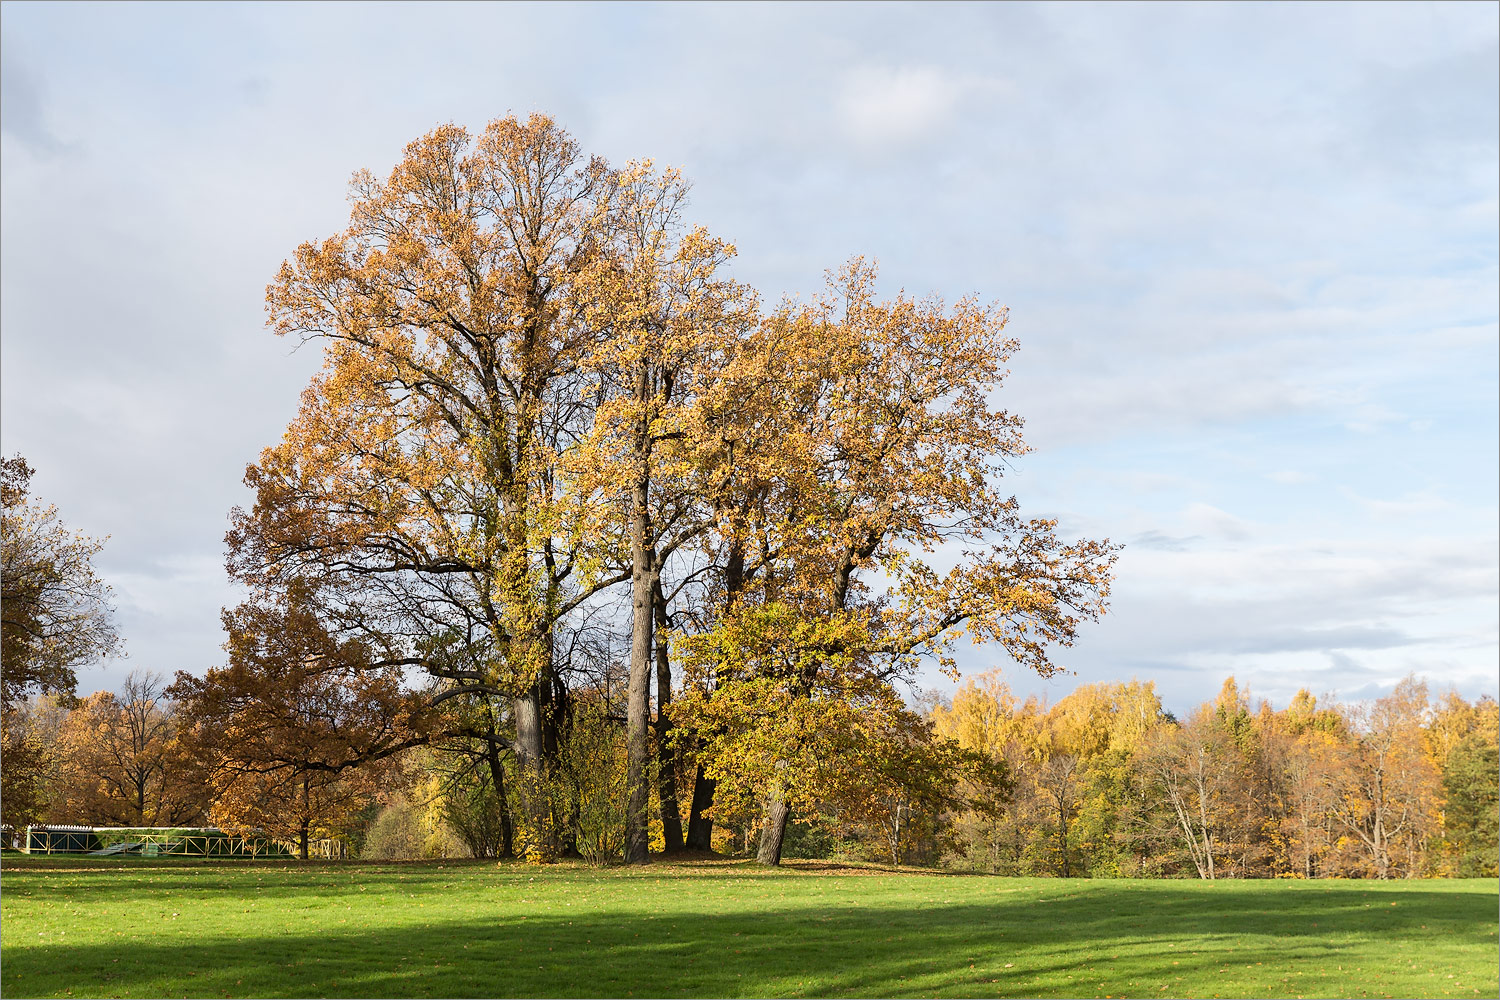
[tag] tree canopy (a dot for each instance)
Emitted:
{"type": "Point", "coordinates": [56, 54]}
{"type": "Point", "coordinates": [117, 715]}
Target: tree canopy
{"type": "Point", "coordinates": [55, 611]}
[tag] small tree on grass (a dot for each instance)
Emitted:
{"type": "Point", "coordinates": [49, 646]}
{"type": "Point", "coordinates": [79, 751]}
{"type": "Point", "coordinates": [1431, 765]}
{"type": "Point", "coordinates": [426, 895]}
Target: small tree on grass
{"type": "Point", "coordinates": [896, 780]}
{"type": "Point", "coordinates": [592, 782]}
{"type": "Point", "coordinates": [796, 720]}
{"type": "Point", "coordinates": [471, 804]}
{"type": "Point", "coordinates": [296, 729]}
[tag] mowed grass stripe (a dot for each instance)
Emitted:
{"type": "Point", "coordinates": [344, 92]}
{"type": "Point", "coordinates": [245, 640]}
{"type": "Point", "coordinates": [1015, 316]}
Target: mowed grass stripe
{"type": "Point", "coordinates": [107, 927]}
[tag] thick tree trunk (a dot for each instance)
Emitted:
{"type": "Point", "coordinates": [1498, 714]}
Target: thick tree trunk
{"type": "Point", "coordinates": [774, 832]}
{"type": "Point", "coordinates": [666, 759]}
{"type": "Point", "coordinates": [638, 694]}
{"type": "Point", "coordinates": [700, 832]}
{"type": "Point", "coordinates": [528, 713]}
{"type": "Point", "coordinates": [527, 710]}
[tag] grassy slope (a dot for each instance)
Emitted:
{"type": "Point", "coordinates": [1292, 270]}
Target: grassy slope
{"type": "Point", "coordinates": [168, 928]}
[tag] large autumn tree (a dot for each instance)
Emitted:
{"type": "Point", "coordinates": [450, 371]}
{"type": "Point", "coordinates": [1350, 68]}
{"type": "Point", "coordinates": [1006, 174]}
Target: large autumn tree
{"type": "Point", "coordinates": [537, 386]}
{"type": "Point", "coordinates": [420, 485]}
{"type": "Point", "coordinates": [1390, 790]}
{"type": "Point", "coordinates": [882, 535]}
{"type": "Point", "coordinates": [1464, 742]}
{"type": "Point", "coordinates": [666, 317]}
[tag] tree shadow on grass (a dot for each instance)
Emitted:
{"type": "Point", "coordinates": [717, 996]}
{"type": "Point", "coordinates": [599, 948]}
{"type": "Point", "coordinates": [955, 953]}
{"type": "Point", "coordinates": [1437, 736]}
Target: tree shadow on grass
{"type": "Point", "coordinates": [1026, 938]}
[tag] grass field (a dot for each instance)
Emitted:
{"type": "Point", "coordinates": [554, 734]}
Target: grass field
{"type": "Point", "coordinates": [112, 927]}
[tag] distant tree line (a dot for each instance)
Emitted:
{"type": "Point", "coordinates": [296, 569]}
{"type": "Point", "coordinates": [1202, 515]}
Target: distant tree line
{"type": "Point", "coordinates": [1105, 783]}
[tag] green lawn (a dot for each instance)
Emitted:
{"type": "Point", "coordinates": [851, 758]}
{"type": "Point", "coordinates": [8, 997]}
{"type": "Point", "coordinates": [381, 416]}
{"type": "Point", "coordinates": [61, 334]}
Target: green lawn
{"type": "Point", "coordinates": [112, 927]}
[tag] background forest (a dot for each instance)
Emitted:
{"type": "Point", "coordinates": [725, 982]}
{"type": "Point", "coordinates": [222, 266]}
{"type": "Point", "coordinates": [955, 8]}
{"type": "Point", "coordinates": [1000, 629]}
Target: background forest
{"type": "Point", "coordinates": [1104, 783]}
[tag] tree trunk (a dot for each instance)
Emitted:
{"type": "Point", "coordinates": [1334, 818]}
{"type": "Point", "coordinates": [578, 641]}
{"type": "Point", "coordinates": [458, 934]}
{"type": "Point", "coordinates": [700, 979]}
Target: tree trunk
{"type": "Point", "coordinates": [773, 833]}
{"type": "Point", "coordinates": [894, 838]}
{"type": "Point", "coordinates": [700, 831]}
{"type": "Point", "coordinates": [1062, 835]}
{"type": "Point", "coordinates": [306, 819]}
{"type": "Point", "coordinates": [1201, 783]}
{"type": "Point", "coordinates": [666, 759]}
{"type": "Point", "coordinates": [529, 764]}
{"type": "Point", "coordinates": [638, 695]}
{"type": "Point", "coordinates": [528, 713]}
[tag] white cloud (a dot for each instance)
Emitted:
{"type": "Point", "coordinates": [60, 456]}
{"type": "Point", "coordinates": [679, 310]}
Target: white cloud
{"type": "Point", "coordinates": [1207, 519]}
{"type": "Point", "coordinates": [897, 105]}
{"type": "Point", "coordinates": [1408, 506]}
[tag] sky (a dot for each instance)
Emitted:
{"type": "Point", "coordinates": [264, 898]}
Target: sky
{"type": "Point", "coordinates": [1249, 252]}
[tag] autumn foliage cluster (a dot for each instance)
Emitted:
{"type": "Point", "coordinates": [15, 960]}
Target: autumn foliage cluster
{"type": "Point", "coordinates": [1107, 783]}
